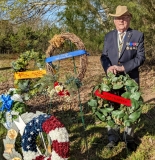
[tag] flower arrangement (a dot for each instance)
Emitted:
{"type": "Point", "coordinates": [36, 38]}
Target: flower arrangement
{"type": "Point", "coordinates": [11, 105]}
{"type": "Point", "coordinates": [114, 113]}
{"type": "Point", "coordinates": [35, 124]}
{"type": "Point", "coordinates": [59, 90]}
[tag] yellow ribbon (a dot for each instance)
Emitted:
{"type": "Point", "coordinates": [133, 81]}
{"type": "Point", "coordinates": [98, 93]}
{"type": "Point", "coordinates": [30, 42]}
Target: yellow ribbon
{"type": "Point", "coordinates": [29, 74]}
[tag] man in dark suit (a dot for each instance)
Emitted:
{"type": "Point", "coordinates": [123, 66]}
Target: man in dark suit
{"type": "Point", "coordinates": [123, 53]}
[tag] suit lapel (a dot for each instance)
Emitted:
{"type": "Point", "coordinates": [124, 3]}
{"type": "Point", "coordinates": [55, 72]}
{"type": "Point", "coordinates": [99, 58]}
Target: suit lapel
{"type": "Point", "coordinates": [127, 38]}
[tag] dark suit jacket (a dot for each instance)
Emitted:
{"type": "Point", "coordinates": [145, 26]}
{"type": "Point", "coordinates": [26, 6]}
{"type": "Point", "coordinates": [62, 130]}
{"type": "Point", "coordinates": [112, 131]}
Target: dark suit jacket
{"type": "Point", "coordinates": [132, 55]}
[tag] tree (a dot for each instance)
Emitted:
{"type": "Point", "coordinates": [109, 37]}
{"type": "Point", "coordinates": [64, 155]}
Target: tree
{"type": "Point", "coordinates": [24, 10]}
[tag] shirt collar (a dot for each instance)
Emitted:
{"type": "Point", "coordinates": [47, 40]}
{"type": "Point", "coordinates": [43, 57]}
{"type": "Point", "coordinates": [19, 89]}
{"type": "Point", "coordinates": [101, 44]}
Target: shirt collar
{"type": "Point", "coordinates": [121, 32]}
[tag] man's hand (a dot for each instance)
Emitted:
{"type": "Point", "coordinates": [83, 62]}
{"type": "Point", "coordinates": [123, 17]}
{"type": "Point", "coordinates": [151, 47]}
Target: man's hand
{"type": "Point", "coordinates": [115, 69]}
{"type": "Point", "coordinates": [112, 69]}
{"type": "Point", "coordinates": [119, 68]}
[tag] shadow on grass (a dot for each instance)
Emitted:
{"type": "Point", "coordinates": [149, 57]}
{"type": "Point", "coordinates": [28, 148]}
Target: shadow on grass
{"type": "Point", "coordinates": [147, 124]}
{"type": "Point", "coordinates": [88, 138]}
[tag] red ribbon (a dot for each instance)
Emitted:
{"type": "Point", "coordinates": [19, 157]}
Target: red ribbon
{"type": "Point", "coordinates": [113, 98]}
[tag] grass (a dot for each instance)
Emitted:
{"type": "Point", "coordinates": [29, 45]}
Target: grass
{"type": "Point", "coordinates": [88, 138]}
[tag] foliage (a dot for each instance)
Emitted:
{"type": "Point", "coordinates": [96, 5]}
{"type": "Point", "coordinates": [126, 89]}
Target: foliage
{"type": "Point", "coordinates": [15, 106]}
{"type": "Point", "coordinates": [113, 113]}
{"type": "Point", "coordinates": [29, 60]}
{"type": "Point", "coordinates": [87, 19]}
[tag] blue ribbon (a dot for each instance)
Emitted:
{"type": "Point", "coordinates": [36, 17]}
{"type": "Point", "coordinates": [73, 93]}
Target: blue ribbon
{"type": "Point", "coordinates": [131, 44]}
{"type": "Point", "coordinates": [6, 102]}
{"type": "Point", "coordinates": [66, 55]}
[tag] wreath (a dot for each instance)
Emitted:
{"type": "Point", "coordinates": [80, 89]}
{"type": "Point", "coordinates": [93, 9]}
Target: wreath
{"type": "Point", "coordinates": [11, 105]}
{"type": "Point", "coordinates": [67, 78]}
{"type": "Point", "coordinates": [28, 61]}
{"type": "Point", "coordinates": [114, 113]}
{"type": "Point", "coordinates": [36, 123]}
{"type": "Point", "coordinates": [57, 42]}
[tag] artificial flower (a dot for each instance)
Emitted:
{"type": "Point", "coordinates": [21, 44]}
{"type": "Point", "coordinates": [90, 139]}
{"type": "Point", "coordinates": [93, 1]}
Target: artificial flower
{"type": "Point", "coordinates": [17, 97]}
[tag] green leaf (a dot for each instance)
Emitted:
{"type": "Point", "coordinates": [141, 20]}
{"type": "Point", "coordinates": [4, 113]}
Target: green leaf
{"type": "Point", "coordinates": [26, 97]}
{"type": "Point", "coordinates": [106, 110]}
{"type": "Point", "coordinates": [93, 103]}
{"type": "Point", "coordinates": [134, 104]}
{"type": "Point", "coordinates": [117, 86]}
{"type": "Point", "coordinates": [23, 85]}
{"type": "Point", "coordinates": [95, 88]}
{"type": "Point", "coordinates": [100, 116]}
{"type": "Point", "coordinates": [114, 79]}
{"type": "Point", "coordinates": [94, 109]}
{"type": "Point", "coordinates": [115, 112]}
{"type": "Point", "coordinates": [134, 116]}
{"type": "Point", "coordinates": [111, 123]}
{"type": "Point", "coordinates": [126, 95]}
{"type": "Point", "coordinates": [126, 117]}
{"type": "Point", "coordinates": [134, 89]}
{"type": "Point", "coordinates": [127, 123]}
{"type": "Point", "coordinates": [109, 118]}
{"type": "Point", "coordinates": [136, 95]}
{"type": "Point", "coordinates": [130, 83]}
{"type": "Point", "coordinates": [105, 87]}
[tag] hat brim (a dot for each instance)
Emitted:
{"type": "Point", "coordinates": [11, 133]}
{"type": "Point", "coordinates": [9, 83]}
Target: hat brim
{"type": "Point", "coordinates": [121, 14]}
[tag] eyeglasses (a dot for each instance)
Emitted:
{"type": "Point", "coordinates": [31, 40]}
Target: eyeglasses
{"type": "Point", "coordinates": [122, 18]}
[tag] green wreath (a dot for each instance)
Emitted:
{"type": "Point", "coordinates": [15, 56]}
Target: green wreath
{"type": "Point", "coordinates": [27, 61]}
{"type": "Point", "coordinates": [113, 113]}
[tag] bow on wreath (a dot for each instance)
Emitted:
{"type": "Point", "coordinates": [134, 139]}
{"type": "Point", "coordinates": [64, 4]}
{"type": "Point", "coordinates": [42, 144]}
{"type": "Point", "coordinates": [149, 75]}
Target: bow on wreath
{"type": "Point", "coordinates": [6, 102]}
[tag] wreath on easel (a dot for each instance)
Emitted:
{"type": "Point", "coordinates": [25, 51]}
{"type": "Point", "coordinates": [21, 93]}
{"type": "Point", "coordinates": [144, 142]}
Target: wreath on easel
{"type": "Point", "coordinates": [58, 41]}
{"type": "Point", "coordinates": [28, 61]}
{"type": "Point", "coordinates": [62, 78]}
{"type": "Point", "coordinates": [112, 91]}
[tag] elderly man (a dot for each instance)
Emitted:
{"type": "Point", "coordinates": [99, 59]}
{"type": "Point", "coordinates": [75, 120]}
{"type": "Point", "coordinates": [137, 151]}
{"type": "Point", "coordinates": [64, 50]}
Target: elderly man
{"type": "Point", "coordinates": [123, 53]}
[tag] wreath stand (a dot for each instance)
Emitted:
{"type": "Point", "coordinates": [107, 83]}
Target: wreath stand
{"type": "Point", "coordinates": [56, 43]}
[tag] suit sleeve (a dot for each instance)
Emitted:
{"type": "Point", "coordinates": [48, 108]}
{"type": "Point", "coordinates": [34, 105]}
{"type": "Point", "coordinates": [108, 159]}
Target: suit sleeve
{"type": "Point", "coordinates": [104, 57]}
{"type": "Point", "coordinates": [139, 58]}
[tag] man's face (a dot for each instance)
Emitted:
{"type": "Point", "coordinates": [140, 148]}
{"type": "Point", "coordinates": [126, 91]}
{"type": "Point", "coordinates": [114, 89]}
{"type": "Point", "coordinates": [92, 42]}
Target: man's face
{"type": "Point", "coordinates": [122, 23]}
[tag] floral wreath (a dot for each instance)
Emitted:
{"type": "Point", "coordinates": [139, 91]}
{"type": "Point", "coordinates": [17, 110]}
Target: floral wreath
{"type": "Point", "coordinates": [22, 64]}
{"type": "Point", "coordinates": [11, 105]}
{"type": "Point", "coordinates": [40, 123]}
{"type": "Point", "coordinates": [114, 113]}
{"type": "Point", "coordinates": [71, 83]}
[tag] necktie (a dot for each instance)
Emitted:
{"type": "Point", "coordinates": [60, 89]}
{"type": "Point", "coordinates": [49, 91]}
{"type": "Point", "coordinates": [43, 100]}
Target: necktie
{"type": "Point", "coordinates": [120, 42]}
